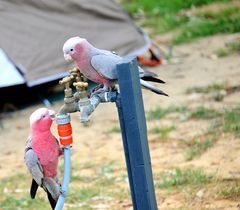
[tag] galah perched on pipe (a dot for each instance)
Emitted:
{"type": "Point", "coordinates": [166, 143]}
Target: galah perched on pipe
{"type": "Point", "coordinates": [99, 66]}
{"type": "Point", "coordinates": [41, 155]}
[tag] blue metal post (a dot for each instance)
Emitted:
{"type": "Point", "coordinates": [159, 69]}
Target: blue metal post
{"type": "Point", "coordinates": [134, 134]}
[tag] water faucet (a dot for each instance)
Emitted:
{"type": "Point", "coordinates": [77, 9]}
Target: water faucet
{"type": "Point", "coordinates": [94, 101]}
{"type": "Point", "coordinates": [75, 72]}
{"type": "Point", "coordinates": [68, 90]}
{"type": "Point", "coordinates": [84, 103]}
{"type": "Point", "coordinates": [70, 104]}
{"type": "Point", "coordinates": [80, 101]}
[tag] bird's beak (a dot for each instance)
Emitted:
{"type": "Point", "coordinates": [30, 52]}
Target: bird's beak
{"type": "Point", "coordinates": [51, 113]}
{"type": "Point", "coordinates": [67, 57]}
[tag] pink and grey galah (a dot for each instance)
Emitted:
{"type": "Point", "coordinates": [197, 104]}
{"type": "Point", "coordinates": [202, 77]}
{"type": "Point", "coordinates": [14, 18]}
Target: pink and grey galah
{"type": "Point", "coordinates": [41, 156]}
{"type": "Point", "coordinates": [99, 66]}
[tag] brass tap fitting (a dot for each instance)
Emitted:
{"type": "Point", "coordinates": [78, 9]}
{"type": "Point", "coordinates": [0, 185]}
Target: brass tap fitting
{"type": "Point", "coordinates": [81, 89]}
{"type": "Point", "coordinates": [82, 93]}
{"type": "Point", "coordinates": [66, 81]}
{"type": "Point", "coordinates": [74, 70]}
{"type": "Point", "coordinates": [81, 85]}
{"type": "Point", "coordinates": [76, 73]}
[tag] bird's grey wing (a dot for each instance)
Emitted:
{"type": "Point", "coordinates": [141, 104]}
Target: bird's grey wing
{"type": "Point", "coordinates": [60, 149]}
{"type": "Point", "coordinates": [28, 144]}
{"type": "Point", "coordinates": [33, 163]}
{"type": "Point", "coordinates": [51, 185]}
{"type": "Point", "coordinates": [106, 52]}
{"type": "Point", "coordinates": [105, 65]}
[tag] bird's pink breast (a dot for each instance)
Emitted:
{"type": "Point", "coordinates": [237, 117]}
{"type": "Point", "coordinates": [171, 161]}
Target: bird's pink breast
{"type": "Point", "coordinates": [48, 153]}
{"type": "Point", "coordinates": [89, 72]}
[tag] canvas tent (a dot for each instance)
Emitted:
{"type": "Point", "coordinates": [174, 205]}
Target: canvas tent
{"type": "Point", "coordinates": [32, 33]}
{"type": "Point", "coordinates": [9, 74]}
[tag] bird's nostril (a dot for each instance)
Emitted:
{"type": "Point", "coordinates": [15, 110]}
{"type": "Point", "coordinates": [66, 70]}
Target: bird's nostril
{"type": "Point", "coordinates": [71, 49]}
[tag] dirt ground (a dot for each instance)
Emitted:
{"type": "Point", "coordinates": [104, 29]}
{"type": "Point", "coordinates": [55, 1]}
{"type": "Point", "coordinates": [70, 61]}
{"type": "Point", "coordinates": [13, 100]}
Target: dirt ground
{"type": "Point", "coordinates": [193, 65]}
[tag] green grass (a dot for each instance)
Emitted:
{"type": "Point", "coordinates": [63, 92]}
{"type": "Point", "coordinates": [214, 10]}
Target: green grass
{"type": "Point", "coordinates": [230, 48]}
{"type": "Point", "coordinates": [163, 7]}
{"type": "Point", "coordinates": [114, 129]}
{"type": "Point", "coordinates": [162, 132]}
{"type": "Point", "coordinates": [160, 15]}
{"type": "Point", "coordinates": [197, 148]}
{"type": "Point", "coordinates": [221, 52]}
{"type": "Point", "coordinates": [232, 121]}
{"type": "Point", "coordinates": [234, 46]}
{"type": "Point", "coordinates": [105, 182]}
{"type": "Point", "coordinates": [78, 178]}
{"type": "Point", "coordinates": [219, 96]}
{"type": "Point", "coordinates": [180, 177]}
{"type": "Point", "coordinates": [77, 195]}
{"type": "Point", "coordinates": [82, 191]}
{"type": "Point", "coordinates": [158, 112]}
{"type": "Point", "coordinates": [107, 168]}
{"type": "Point", "coordinates": [217, 90]}
{"type": "Point", "coordinates": [229, 118]}
{"type": "Point", "coordinates": [229, 122]}
{"type": "Point", "coordinates": [230, 190]}
{"type": "Point", "coordinates": [165, 15]}
{"type": "Point", "coordinates": [210, 23]}
{"type": "Point", "coordinates": [24, 202]}
{"type": "Point", "coordinates": [210, 88]}
{"type": "Point", "coordinates": [19, 200]}
{"type": "Point", "coordinates": [88, 165]}
{"type": "Point", "coordinates": [122, 193]}
{"type": "Point", "coordinates": [204, 113]}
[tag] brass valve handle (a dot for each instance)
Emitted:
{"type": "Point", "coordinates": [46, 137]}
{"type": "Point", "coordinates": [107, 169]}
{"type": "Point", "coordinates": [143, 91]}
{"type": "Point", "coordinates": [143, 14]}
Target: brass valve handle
{"type": "Point", "coordinates": [76, 74]}
{"type": "Point", "coordinates": [80, 85]}
{"type": "Point", "coordinates": [74, 70]}
{"type": "Point", "coordinates": [65, 80]}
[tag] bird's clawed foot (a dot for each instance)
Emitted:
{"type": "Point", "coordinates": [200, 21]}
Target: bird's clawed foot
{"type": "Point", "coordinates": [100, 89]}
{"type": "Point", "coordinates": [62, 192]}
{"type": "Point", "coordinates": [95, 89]}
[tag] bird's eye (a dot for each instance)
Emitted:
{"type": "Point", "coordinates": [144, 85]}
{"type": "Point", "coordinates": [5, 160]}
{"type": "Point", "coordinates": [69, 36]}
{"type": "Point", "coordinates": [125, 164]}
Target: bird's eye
{"type": "Point", "coordinates": [43, 115]}
{"type": "Point", "coordinates": [71, 49]}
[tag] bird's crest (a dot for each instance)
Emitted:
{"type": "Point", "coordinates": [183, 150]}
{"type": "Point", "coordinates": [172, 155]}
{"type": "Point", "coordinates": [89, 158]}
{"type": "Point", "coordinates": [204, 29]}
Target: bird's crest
{"type": "Point", "coordinates": [36, 115]}
{"type": "Point", "coordinates": [70, 43]}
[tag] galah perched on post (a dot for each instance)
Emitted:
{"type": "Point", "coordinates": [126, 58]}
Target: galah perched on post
{"type": "Point", "coordinates": [41, 155]}
{"type": "Point", "coordinates": [100, 65]}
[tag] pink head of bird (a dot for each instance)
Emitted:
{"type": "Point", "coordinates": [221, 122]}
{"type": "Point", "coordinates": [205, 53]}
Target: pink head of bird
{"type": "Point", "coordinates": [41, 119]}
{"type": "Point", "coordinates": [73, 47]}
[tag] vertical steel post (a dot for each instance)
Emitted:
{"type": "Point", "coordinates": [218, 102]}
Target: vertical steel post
{"type": "Point", "coordinates": [134, 135]}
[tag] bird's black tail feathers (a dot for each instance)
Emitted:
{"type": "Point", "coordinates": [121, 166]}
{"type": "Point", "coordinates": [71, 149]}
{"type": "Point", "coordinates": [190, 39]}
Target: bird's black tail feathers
{"type": "Point", "coordinates": [152, 88]}
{"type": "Point", "coordinates": [33, 189]}
{"type": "Point", "coordinates": [149, 76]}
{"type": "Point", "coordinates": [152, 79]}
{"type": "Point", "coordinates": [51, 200]}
